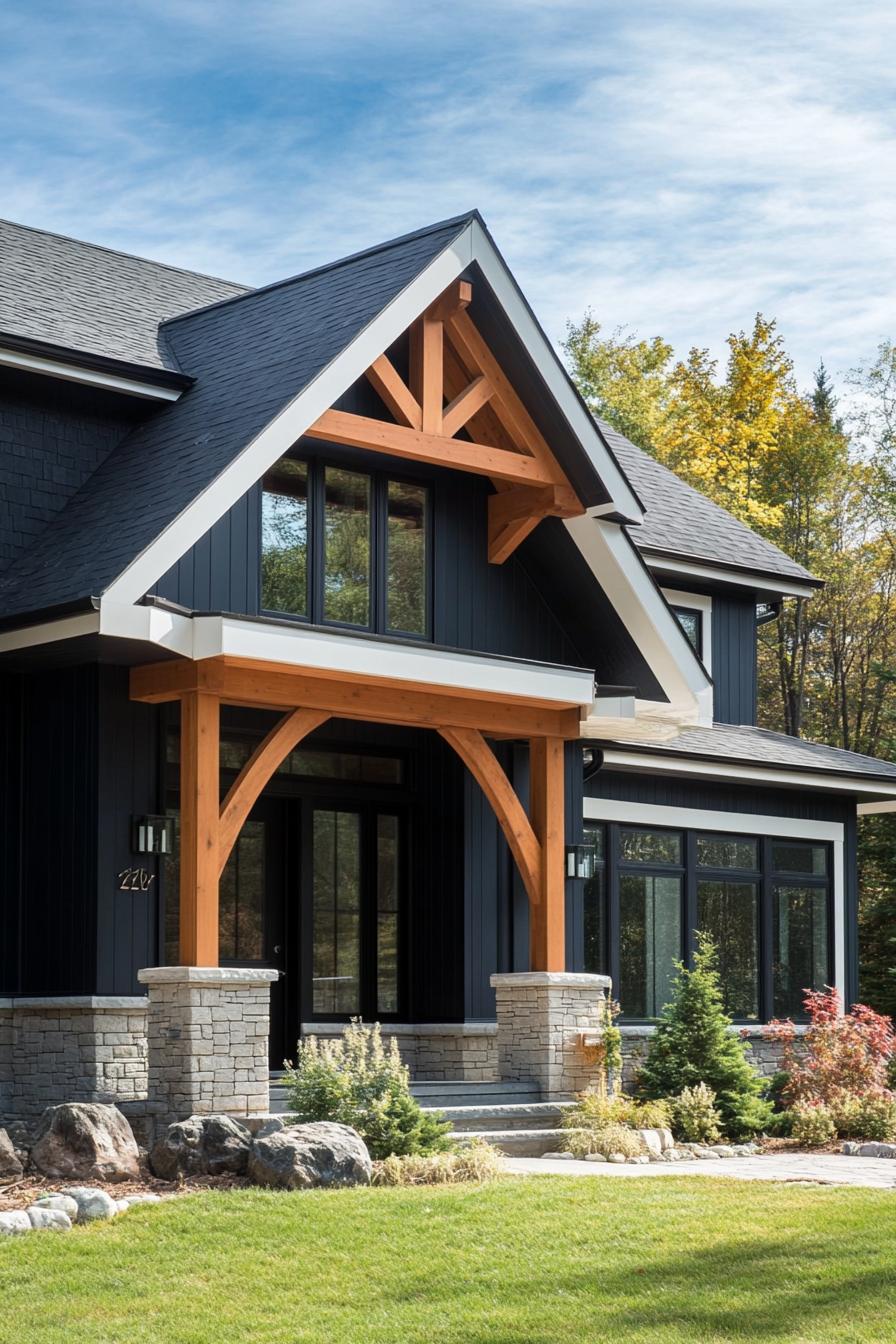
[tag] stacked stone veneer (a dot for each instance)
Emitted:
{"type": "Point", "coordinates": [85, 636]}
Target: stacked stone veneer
{"type": "Point", "coordinates": [436, 1051]}
{"type": "Point", "coordinates": [207, 1040]}
{"type": "Point", "coordinates": [544, 1018]}
{"type": "Point", "coordinates": [764, 1055]}
{"type": "Point", "coordinates": [70, 1049]}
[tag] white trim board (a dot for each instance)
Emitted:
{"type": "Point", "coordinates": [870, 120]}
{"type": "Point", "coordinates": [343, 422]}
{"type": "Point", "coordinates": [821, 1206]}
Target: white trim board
{"type": "Point", "coordinates": [742, 823]}
{"type": "Point", "coordinates": [740, 578]}
{"type": "Point", "coordinates": [80, 373]}
{"type": "Point", "coordinates": [668, 764]}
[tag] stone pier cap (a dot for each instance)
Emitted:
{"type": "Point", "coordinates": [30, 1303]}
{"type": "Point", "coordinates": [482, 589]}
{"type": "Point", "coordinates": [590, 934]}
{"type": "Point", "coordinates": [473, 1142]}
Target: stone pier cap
{"type": "Point", "coordinates": [207, 975]}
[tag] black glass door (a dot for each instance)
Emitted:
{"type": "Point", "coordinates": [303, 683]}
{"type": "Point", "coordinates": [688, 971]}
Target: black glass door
{"type": "Point", "coordinates": [354, 890]}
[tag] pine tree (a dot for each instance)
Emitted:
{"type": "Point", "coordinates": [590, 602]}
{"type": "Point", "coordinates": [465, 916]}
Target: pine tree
{"type": "Point", "coordinates": [824, 403]}
{"type": "Point", "coordinates": [693, 1044]}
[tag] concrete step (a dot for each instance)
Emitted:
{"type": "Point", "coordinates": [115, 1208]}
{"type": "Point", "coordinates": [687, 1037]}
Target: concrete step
{"type": "Point", "coordinates": [515, 1142]}
{"type": "Point", "coordinates": [478, 1119]}
{"type": "Point", "coordinates": [449, 1094]}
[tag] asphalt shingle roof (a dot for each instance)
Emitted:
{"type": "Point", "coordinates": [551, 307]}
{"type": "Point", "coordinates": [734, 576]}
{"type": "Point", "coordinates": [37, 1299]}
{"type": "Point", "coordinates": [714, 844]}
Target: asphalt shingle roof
{"type": "Point", "coordinates": [94, 300]}
{"type": "Point", "coordinates": [682, 522]}
{"type": "Point", "coordinates": [744, 745]}
{"type": "Point", "coordinates": [250, 357]}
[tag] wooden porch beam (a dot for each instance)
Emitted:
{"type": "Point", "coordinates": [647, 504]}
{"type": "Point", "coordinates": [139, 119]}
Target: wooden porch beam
{"type": "Point", "coordinates": [465, 405]}
{"type": "Point", "coordinates": [547, 918]}
{"type": "Point", "coordinates": [513, 514]}
{"type": "Point", "coordinates": [199, 791]}
{"type": "Point", "coordinates": [485, 768]}
{"type": "Point", "coordinates": [267, 757]}
{"type": "Point", "coordinates": [344, 695]}
{"type": "Point", "coordinates": [379, 436]}
{"type": "Point", "coordinates": [397, 397]}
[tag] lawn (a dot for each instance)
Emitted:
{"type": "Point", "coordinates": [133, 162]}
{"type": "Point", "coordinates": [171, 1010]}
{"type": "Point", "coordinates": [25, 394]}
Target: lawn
{"type": "Point", "coordinates": [543, 1259]}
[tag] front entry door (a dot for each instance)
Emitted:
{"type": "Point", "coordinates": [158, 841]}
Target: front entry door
{"type": "Point", "coordinates": [353, 925]}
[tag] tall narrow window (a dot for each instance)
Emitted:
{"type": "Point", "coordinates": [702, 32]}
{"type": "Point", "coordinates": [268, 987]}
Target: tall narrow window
{"type": "Point", "coordinates": [388, 884]}
{"type": "Point", "coordinates": [346, 546]}
{"type": "Point", "coordinates": [284, 538]}
{"type": "Point", "coordinates": [728, 910]}
{"type": "Point", "coordinates": [799, 945]}
{"type": "Point", "coordinates": [336, 912]}
{"type": "Point", "coordinates": [595, 904]}
{"type": "Point", "coordinates": [406, 558]}
{"type": "Point", "coordinates": [649, 941]}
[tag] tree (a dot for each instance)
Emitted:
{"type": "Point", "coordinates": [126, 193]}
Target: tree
{"type": "Point", "coordinates": [624, 380]}
{"type": "Point", "coordinates": [693, 1043]}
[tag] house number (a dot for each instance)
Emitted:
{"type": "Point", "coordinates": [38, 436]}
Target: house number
{"type": "Point", "coordinates": [135, 879]}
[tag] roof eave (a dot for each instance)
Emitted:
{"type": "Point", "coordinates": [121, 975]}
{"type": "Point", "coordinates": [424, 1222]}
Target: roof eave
{"type": "Point", "coordinates": [83, 366]}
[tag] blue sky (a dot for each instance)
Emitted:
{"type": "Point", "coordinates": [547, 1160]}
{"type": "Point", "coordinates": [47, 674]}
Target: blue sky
{"type": "Point", "coordinates": [674, 166]}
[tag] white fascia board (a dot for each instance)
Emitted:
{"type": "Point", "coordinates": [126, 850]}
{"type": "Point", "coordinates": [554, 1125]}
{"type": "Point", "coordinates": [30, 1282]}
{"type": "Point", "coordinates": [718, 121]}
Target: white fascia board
{"type": "Point", "coordinates": [473, 244]}
{"type": "Point", "coordinates": [619, 570]}
{"type": "Point", "coordinates": [667, 763]}
{"type": "Point", "coordinates": [622, 498]}
{"type": "Point", "coordinates": [876, 809]}
{"type": "Point", "coordinates": [742, 823]}
{"type": "Point", "coordinates": [745, 578]}
{"type": "Point", "coordinates": [66, 627]}
{"type": "Point", "coordinates": [153, 625]}
{"type": "Point", "coordinates": [281, 433]}
{"type": "Point", "coordinates": [78, 373]}
{"type": "Point", "coordinates": [319, 650]}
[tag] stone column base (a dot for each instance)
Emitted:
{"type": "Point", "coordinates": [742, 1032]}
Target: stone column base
{"type": "Point", "coordinates": [207, 1040]}
{"type": "Point", "coordinates": [542, 1016]}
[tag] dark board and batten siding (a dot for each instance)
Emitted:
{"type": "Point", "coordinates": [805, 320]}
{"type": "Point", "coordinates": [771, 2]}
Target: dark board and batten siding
{"type": "Point", "coordinates": [734, 660]}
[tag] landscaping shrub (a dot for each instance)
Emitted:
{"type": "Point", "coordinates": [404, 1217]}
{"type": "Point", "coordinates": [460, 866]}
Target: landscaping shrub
{"type": "Point", "coordinates": [776, 1090]}
{"type": "Point", "coordinates": [477, 1162]}
{"type": "Point", "coordinates": [608, 1139]}
{"type": "Point", "coordinates": [813, 1125]}
{"type": "Point", "coordinates": [594, 1110]}
{"type": "Point", "coordinates": [693, 1044]}
{"type": "Point", "coordinates": [870, 1117]}
{"type": "Point", "coordinates": [355, 1080]}
{"type": "Point", "coordinates": [695, 1117]}
{"type": "Point", "coordinates": [840, 1053]}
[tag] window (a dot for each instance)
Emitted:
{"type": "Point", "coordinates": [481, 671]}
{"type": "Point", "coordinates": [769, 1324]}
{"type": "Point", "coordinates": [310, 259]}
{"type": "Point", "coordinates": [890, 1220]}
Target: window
{"type": "Point", "coordinates": [764, 902]}
{"type": "Point", "coordinates": [336, 983]}
{"type": "Point", "coordinates": [691, 623]}
{"type": "Point", "coordinates": [345, 547]}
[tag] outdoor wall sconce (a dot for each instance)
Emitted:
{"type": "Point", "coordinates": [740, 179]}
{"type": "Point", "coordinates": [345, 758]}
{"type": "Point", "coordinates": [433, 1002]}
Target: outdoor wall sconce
{"type": "Point", "coordinates": [152, 835]}
{"type": "Point", "coordinates": [580, 861]}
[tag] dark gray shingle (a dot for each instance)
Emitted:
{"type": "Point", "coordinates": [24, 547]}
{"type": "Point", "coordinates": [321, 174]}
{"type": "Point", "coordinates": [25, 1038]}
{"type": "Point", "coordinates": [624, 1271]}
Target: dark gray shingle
{"type": "Point", "coordinates": [92, 299]}
{"type": "Point", "coordinates": [681, 522]}
{"type": "Point", "coordinates": [743, 745]}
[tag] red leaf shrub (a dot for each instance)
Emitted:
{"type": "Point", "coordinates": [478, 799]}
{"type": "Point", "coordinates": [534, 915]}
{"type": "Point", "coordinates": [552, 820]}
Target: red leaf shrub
{"type": "Point", "coordinates": [839, 1054]}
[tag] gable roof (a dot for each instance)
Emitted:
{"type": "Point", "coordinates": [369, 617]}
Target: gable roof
{"type": "Point", "coordinates": [93, 300]}
{"type": "Point", "coordinates": [682, 523]}
{"type": "Point", "coordinates": [250, 355]}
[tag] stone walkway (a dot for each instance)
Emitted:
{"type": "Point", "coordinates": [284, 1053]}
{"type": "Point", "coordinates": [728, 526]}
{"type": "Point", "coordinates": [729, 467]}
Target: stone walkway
{"type": "Point", "coordinates": [818, 1168]}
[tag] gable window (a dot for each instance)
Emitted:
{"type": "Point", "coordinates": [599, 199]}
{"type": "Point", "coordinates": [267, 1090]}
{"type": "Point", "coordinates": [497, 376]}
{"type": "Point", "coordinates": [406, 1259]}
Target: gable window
{"type": "Point", "coordinates": [693, 611]}
{"type": "Point", "coordinates": [691, 622]}
{"type": "Point", "coordinates": [344, 547]}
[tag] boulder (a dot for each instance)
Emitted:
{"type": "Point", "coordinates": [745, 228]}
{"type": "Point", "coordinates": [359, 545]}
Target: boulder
{"type": "Point", "coordinates": [59, 1203]}
{"type": "Point", "coordinates": [204, 1145]}
{"type": "Point", "coordinates": [88, 1141]}
{"type": "Point", "coordinates": [93, 1205]}
{"type": "Point", "coordinates": [301, 1157]}
{"type": "Point", "coordinates": [10, 1167]}
{"type": "Point", "coordinates": [14, 1223]}
{"type": "Point", "coordinates": [52, 1220]}
{"type": "Point", "coordinates": [666, 1140]}
{"type": "Point", "coordinates": [651, 1140]}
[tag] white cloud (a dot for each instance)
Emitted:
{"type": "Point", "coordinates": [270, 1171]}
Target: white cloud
{"type": "Point", "coordinates": [674, 167]}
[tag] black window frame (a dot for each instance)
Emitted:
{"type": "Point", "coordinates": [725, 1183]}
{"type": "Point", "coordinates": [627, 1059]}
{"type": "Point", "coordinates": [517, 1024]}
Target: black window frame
{"type": "Point", "coordinates": [378, 606]}
{"type": "Point", "coordinates": [679, 609]}
{"type": "Point", "coordinates": [765, 876]}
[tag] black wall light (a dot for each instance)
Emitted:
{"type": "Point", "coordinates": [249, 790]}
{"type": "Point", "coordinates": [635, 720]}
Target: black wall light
{"type": "Point", "coordinates": [152, 835]}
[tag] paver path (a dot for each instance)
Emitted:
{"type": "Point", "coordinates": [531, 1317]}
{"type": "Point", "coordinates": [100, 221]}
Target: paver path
{"type": "Point", "coordinates": [823, 1168]}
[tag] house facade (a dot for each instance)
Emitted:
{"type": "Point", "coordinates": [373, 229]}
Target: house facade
{"type": "Point", "coordinates": [349, 667]}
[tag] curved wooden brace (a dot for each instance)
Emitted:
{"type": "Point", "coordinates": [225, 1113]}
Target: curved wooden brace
{"type": "Point", "coordinates": [243, 793]}
{"type": "Point", "coordinates": [485, 768]}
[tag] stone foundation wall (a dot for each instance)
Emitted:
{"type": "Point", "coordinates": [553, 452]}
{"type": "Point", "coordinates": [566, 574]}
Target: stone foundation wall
{"type": "Point", "coordinates": [544, 1021]}
{"type": "Point", "coordinates": [764, 1055]}
{"type": "Point", "coordinates": [437, 1051]}
{"type": "Point", "coordinates": [70, 1049]}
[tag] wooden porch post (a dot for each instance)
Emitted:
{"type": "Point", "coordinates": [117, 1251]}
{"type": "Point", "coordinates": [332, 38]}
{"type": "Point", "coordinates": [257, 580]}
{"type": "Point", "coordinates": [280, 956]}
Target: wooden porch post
{"type": "Point", "coordinates": [547, 917]}
{"type": "Point", "coordinates": [199, 803]}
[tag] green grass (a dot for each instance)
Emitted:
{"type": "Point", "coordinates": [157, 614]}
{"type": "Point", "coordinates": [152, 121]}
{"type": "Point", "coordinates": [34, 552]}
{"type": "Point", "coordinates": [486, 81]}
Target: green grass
{"type": "Point", "coordinates": [529, 1261]}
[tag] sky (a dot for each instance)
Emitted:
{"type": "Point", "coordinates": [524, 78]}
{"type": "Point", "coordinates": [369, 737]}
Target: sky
{"type": "Point", "coordinates": [674, 167]}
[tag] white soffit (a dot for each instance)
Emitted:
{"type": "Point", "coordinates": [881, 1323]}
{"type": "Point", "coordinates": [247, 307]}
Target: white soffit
{"type": "Point", "coordinates": [663, 565]}
{"type": "Point", "coordinates": [667, 763]}
{"type": "Point", "coordinates": [80, 373]}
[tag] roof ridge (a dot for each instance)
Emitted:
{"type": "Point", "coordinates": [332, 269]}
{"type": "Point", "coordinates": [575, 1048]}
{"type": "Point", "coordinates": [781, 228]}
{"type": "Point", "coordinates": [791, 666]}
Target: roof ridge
{"type": "Point", "coordinates": [327, 266]}
{"type": "Point", "coordinates": [131, 256]}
